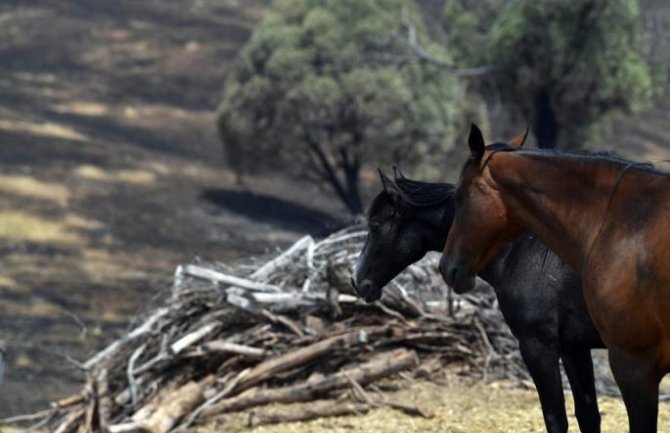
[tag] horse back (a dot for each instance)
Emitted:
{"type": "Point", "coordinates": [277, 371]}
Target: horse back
{"type": "Point", "coordinates": [629, 269]}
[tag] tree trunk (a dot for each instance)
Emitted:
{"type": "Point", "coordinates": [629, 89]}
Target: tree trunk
{"type": "Point", "coordinates": [357, 203]}
{"type": "Point", "coordinates": [351, 173]}
{"type": "Point", "coordinates": [348, 191]}
{"type": "Point", "coordinates": [350, 164]}
{"type": "Point", "coordinates": [545, 127]}
{"type": "Point", "coordinates": [354, 202]}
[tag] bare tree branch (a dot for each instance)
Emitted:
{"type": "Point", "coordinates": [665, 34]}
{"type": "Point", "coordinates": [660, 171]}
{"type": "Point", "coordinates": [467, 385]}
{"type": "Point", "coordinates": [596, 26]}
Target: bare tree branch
{"type": "Point", "coordinates": [424, 55]}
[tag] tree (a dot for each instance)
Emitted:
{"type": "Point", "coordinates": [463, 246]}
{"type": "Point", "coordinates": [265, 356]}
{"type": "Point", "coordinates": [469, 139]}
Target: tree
{"type": "Point", "coordinates": [325, 87]}
{"type": "Point", "coordinates": [563, 65]}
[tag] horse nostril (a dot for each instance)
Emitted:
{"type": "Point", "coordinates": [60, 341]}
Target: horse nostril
{"type": "Point", "coordinates": [363, 289]}
{"type": "Point", "coordinates": [448, 271]}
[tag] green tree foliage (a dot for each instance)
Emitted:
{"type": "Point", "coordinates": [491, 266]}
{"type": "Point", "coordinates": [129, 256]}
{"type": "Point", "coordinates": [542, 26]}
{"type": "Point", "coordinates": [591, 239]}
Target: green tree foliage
{"type": "Point", "coordinates": [563, 65]}
{"type": "Point", "coordinates": [325, 87]}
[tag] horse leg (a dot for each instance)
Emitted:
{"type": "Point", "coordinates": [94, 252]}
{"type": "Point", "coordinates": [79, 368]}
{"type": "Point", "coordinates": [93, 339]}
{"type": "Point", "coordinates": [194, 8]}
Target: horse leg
{"type": "Point", "coordinates": [638, 382]}
{"type": "Point", "coordinates": [541, 358]}
{"type": "Point", "coordinates": [579, 368]}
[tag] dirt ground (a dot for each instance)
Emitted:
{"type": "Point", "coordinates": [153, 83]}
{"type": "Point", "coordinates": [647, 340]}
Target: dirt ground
{"type": "Point", "coordinates": [456, 408]}
{"type": "Point", "coordinates": [111, 174]}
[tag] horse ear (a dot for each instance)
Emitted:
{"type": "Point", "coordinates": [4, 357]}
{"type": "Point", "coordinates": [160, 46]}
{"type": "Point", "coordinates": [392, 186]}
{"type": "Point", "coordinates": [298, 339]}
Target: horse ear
{"type": "Point", "coordinates": [476, 142]}
{"type": "Point", "coordinates": [518, 140]}
{"type": "Point", "coordinates": [397, 174]}
{"type": "Point", "coordinates": [389, 186]}
{"type": "Point", "coordinates": [386, 181]}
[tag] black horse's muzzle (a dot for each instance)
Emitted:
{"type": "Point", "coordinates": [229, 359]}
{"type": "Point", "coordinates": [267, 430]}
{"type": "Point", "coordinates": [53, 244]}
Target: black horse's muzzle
{"type": "Point", "coordinates": [456, 274]}
{"type": "Point", "coordinates": [366, 290]}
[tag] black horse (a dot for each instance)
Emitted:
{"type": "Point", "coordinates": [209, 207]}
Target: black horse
{"type": "Point", "coordinates": [540, 297]}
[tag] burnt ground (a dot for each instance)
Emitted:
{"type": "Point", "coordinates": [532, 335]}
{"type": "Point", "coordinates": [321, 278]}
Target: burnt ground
{"type": "Point", "coordinates": [111, 173]}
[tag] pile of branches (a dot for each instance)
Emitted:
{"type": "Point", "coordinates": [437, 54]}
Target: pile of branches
{"type": "Point", "coordinates": [289, 330]}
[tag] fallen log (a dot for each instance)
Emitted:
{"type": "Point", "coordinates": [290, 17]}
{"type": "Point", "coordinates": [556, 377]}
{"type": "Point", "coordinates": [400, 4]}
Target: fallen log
{"type": "Point", "coordinates": [172, 409]}
{"type": "Point", "coordinates": [308, 411]}
{"type": "Point", "coordinates": [298, 357]}
{"type": "Point", "coordinates": [380, 366]}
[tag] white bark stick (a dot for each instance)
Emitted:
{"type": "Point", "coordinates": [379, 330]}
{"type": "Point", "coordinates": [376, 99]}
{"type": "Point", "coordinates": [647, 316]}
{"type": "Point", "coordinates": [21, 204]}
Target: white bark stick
{"type": "Point", "coordinates": [141, 330]}
{"type": "Point", "coordinates": [220, 277]}
{"type": "Point", "coordinates": [225, 346]}
{"type": "Point", "coordinates": [286, 257]}
{"type": "Point", "coordinates": [193, 337]}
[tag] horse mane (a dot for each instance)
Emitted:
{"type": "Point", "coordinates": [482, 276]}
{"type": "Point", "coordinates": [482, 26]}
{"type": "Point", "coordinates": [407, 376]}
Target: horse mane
{"type": "Point", "coordinates": [424, 194]}
{"type": "Point", "coordinates": [497, 147]}
{"type": "Point", "coordinates": [415, 193]}
{"type": "Point", "coordinates": [580, 155]}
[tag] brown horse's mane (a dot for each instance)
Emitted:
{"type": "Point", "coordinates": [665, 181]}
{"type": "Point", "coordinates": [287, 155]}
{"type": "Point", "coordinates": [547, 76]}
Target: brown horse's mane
{"type": "Point", "coordinates": [607, 157]}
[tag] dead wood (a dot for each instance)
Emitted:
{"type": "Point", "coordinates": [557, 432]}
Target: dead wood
{"type": "Point", "coordinates": [382, 365]}
{"type": "Point", "coordinates": [286, 330]}
{"type": "Point", "coordinates": [308, 411]}
{"type": "Point", "coordinates": [298, 357]}
{"type": "Point", "coordinates": [175, 406]}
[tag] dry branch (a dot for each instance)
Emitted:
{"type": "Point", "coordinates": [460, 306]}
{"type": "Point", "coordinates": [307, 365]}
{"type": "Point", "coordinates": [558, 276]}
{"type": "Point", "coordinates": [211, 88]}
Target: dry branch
{"type": "Point", "coordinates": [179, 404]}
{"type": "Point", "coordinates": [283, 259]}
{"type": "Point", "coordinates": [295, 358]}
{"type": "Point", "coordinates": [220, 277]}
{"type": "Point", "coordinates": [380, 366]}
{"type": "Point", "coordinates": [228, 347]}
{"type": "Point", "coordinates": [136, 333]}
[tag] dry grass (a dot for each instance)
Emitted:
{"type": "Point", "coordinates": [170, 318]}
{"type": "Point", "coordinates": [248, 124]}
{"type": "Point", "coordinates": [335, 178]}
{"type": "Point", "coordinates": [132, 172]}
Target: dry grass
{"type": "Point", "coordinates": [26, 186]}
{"type": "Point", "coordinates": [43, 129]}
{"type": "Point", "coordinates": [82, 108]}
{"type": "Point", "coordinates": [37, 308]}
{"type": "Point", "coordinates": [7, 282]}
{"type": "Point", "coordinates": [75, 221]}
{"type": "Point", "coordinates": [100, 266]}
{"type": "Point", "coordinates": [8, 429]}
{"type": "Point", "coordinates": [457, 409]}
{"type": "Point", "coordinates": [136, 177]}
{"type": "Point", "coordinates": [23, 226]}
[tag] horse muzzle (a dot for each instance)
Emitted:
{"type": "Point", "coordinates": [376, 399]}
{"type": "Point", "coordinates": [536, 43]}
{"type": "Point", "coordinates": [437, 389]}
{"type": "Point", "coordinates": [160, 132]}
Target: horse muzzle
{"type": "Point", "coordinates": [456, 274]}
{"type": "Point", "coordinates": [366, 290]}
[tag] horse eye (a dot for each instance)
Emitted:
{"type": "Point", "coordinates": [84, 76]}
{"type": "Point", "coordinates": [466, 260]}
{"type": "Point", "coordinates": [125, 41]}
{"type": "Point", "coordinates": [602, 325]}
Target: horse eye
{"type": "Point", "coordinates": [374, 225]}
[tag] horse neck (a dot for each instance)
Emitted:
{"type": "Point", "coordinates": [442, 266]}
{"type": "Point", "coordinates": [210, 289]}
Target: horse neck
{"type": "Point", "coordinates": [562, 201]}
{"type": "Point", "coordinates": [497, 269]}
{"type": "Point", "coordinates": [438, 221]}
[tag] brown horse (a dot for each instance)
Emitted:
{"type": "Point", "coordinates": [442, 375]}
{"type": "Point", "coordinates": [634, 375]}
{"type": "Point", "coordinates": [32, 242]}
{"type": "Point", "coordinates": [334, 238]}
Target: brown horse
{"type": "Point", "coordinates": [607, 218]}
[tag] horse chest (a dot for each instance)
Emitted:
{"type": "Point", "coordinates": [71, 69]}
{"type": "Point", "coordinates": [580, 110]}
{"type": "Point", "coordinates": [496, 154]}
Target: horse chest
{"type": "Point", "coordinates": [550, 307]}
